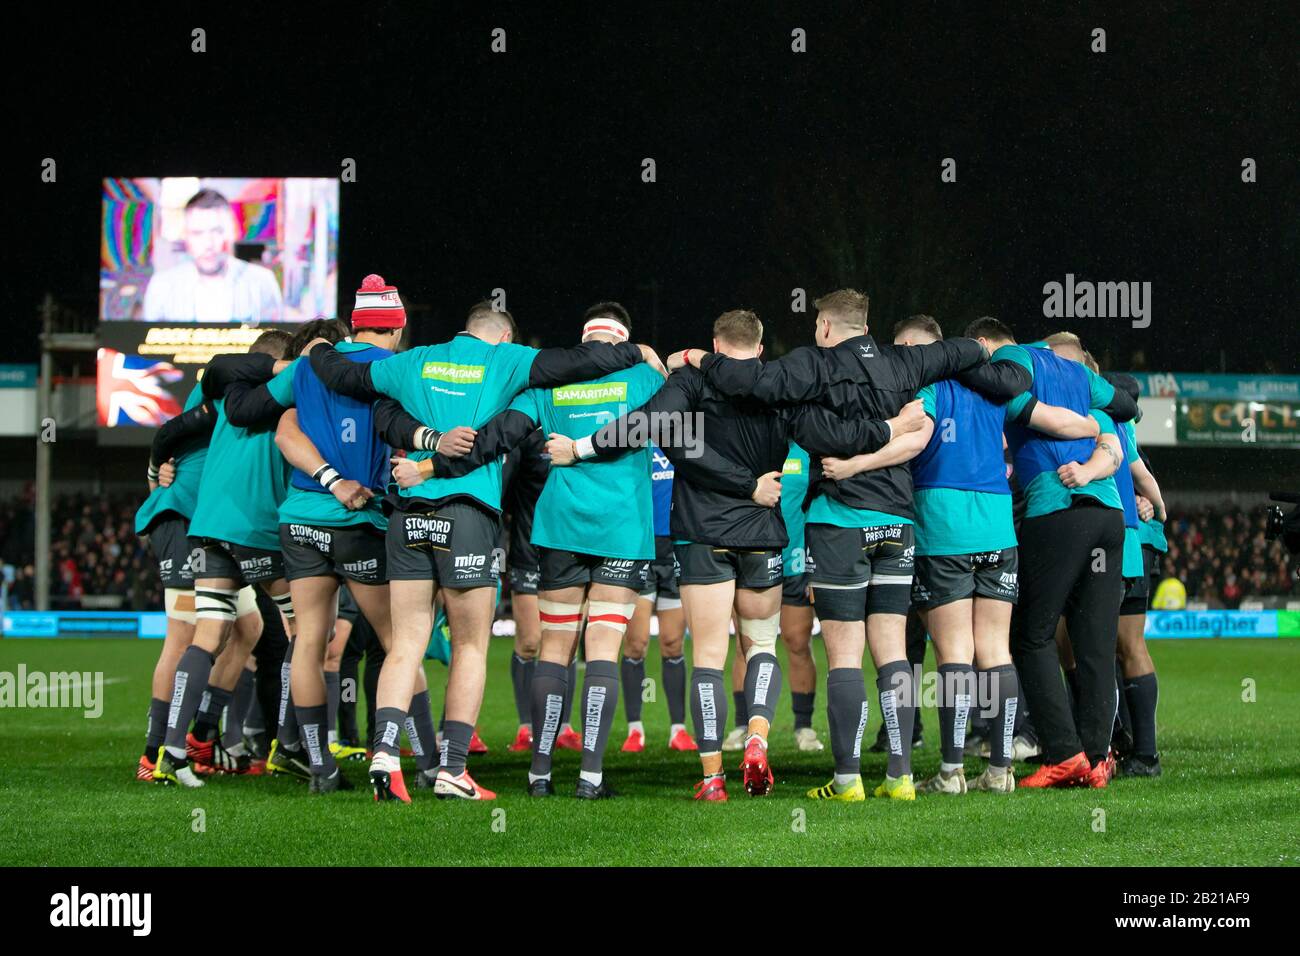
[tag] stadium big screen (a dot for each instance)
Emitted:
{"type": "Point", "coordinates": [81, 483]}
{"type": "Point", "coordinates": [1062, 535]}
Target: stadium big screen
{"type": "Point", "coordinates": [190, 267]}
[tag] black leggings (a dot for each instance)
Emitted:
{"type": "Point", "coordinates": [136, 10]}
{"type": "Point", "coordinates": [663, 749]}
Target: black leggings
{"type": "Point", "coordinates": [1070, 565]}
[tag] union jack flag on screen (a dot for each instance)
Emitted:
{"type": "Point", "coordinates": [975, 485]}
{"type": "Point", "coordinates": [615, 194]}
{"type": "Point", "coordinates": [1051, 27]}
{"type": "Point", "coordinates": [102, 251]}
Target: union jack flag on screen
{"type": "Point", "coordinates": [132, 389]}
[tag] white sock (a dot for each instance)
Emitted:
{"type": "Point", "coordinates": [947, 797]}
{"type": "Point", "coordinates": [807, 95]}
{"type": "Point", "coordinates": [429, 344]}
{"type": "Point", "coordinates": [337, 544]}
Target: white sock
{"type": "Point", "coordinates": [238, 750]}
{"type": "Point", "coordinates": [672, 731]}
{"type": "Point", "coordinates": [635, 726]}
{"type": "Point", "coordinates": [950, 767]}
{"type": "Point", "coordinates": [334, 736]}
{"type": "Point", "coordinates": [534, 777]}
{"type": "Point", "coordinates": [593, 777]}
{"type": "Point", "coordinates": [845, 780]}
{"type": "Point", "coordinates": [176, 752]}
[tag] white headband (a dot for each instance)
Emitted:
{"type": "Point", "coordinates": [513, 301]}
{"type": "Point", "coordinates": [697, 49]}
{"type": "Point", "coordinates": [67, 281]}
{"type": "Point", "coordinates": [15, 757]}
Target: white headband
{"type": "Point", "coordinates": [609, 326]}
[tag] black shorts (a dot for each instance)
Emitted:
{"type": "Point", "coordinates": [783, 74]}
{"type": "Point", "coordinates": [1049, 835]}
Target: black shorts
{"type": "Point", "coordinates": [568, 569]}
{"type": "Point", "coordinates": [794, 591]}
{"type": "Point", "coordinates": [1137, 591]}
{"type": "Point", "coordinates": [754, 570]}
{"type": "Point", "coordinates": [661, 580]}
{"type": "Point", "coordinates": [525, 567]}
{"type": "Point", "coordinates": [170, 543]}
{"type": "Point", "coordinates": [241, 564]}
{"type": "Point", "coordinates": [869, 569]}
{"type": "Point", "coordinates": [354, 551]}
{"type": "Point", "coordinates": [943, 578]}
{"type": "Point", "coordinates": [454, 545]}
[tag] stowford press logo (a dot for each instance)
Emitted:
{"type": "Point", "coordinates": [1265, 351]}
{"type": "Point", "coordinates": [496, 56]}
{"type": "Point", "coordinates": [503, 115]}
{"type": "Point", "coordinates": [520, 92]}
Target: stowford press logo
{"type": "Point", "coordinates": [75, 909]}
{"type": "Point", "coordinates": [451, 372]}
{"type": "Point", "coordinates": [590, 394]}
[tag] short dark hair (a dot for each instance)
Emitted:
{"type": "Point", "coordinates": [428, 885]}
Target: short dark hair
{"type": "Point", "coordinates": [849, 304]}
{"type": "Point", "coordinates": [207, 199]}
{"type": "Point", "coordinates": [484, 310]}
{"type": "Point", "coordinates": [739, 327]}
{"type": "Point", "coordinates": [332, 330]}
{"type": "Point", "coordinates": [272, 342]}
{"type": "Point", "coordinates": [922, 323]}
{"type": "Point", "coordinates": [987, 327]}
{"type": "Point", "coordinates": [612, 310]}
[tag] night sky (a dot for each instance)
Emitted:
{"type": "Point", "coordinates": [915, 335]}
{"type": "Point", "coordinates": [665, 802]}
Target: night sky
{"type": "Point", "coordinates": [775, 170]}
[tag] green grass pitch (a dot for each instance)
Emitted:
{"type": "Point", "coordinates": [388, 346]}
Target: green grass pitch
{"type": "Point", "coordinates": [1230, 794]}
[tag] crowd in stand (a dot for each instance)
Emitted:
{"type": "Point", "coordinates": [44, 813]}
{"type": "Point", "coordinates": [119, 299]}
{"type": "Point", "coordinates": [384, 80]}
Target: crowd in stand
{"type": "Point", "coordinates": [1218, 553]}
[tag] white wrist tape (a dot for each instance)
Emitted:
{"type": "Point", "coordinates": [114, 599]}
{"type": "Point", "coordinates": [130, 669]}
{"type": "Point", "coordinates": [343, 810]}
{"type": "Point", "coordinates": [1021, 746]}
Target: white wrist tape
{"type": "Point", "coordinates": [584, 448]}
{"type": "Point", "coordinates": [327, 475]}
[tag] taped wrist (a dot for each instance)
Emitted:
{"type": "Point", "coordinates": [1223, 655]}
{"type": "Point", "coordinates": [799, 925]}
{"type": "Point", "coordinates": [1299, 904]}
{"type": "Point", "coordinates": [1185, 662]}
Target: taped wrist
{"type": "Point", "coordinates": [327, 475]}
{"type": "Point", "coordinates": [153, 472]}
{"type": "Point", "coordinates": [427, 438]}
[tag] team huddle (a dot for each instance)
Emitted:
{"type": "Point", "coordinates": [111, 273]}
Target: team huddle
{"type": "Point", "coordinates": [329, 494]}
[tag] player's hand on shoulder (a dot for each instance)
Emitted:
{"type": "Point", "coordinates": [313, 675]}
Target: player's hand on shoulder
{"type": "Point", "coordinates": [457, 442]}
{"type": "Point", "coordinates": [312, 344]}
{"type": "Point", "coordinates": [561, 450]}
{"type": "Point", "coordinates": [768, 490]}
{"type": "Point", "coordinates": [651, 358]}
{"type": "Point", "coordinates": [911, 418]}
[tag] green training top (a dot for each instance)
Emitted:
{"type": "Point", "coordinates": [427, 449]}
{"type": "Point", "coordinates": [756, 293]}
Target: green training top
{"type": "Point", "coordinates": [182, 494]}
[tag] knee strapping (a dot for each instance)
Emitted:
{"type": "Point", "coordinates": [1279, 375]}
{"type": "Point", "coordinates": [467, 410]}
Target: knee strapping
{"type": "Point", "coordinates": [761, 634]}
{"type": "Point", "coordinates": [559, 615]}
{"type": "Point", "coordinates": [179, 604]}
{"type": "Point", "coordinates": [285, 603]}
{"type": "Point", "coordinates": [247, 602]}
{"type": "Point", "coordinates": [215, 604]}
{"type": "Point", "coordinates": [611, 614]}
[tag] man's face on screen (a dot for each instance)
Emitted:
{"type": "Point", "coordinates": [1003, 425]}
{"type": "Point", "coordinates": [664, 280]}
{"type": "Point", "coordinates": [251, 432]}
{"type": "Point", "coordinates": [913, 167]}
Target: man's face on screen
{"type": "Point", "coordinates": [209, 235]}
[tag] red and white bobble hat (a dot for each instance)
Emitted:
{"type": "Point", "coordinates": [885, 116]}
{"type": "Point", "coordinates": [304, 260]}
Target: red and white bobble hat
{"type": "Point", "coordinates": [378, 306]}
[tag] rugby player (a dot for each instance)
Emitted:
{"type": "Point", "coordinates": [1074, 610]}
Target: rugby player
{"type": "Point", "coordinates": [163, 520]}
{"type": "Point", "coordinates": [796, 616]}
{"type": "Point", "coordinates": [729, 532]}
{"type": "Point", "coordinates": [231, 546]}
{"type": "Point", "coordinates": [594, 533]}
{"type": "Point", "coordinates": [445, 530]}
{"type": "Point", "coordinates": [660, 597]}
{"type": "Point", "coordinates": [858, 536]}
{"type": "Point", "coordinates": [1071, 545]}
{"type": "Point", "coordinates": [332, 527]}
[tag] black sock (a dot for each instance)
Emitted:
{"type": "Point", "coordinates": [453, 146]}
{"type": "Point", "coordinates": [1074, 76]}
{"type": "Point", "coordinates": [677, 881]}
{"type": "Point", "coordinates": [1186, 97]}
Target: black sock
{"type": "Point", "coordinates": [287, 724]}
{"type": "Point", "coordinates": [521, 678]}
{"type": "Point", "coordinates": [332, 691]}
{"type": "Point", "coordinates": [373, 667]}
{"type": "Point", "coordinates": [675, 688]}
{"type": "Point", "coordinates": [388, 730]}
{"type": "Point", "coordinates": [547, 714]}
{"type": "Point", "coordinates": [157, 728]}
{"type": "Point", "coordinates": [898, 707]}
{"type": "Point", "coordinates": [762, 686]}
{"type": "Point", "coordinates": [419, 730]}
{"type": "Point", "coordinates": [1072, 689]}
{"type": "Point", "coordinates": [742, 707]}
{"type": "Point", "coordinates": [1003, 685]}
{"type": "Point", "coordinates": [599, 703]}
{"type": "Point", "coordinates": [632, 673]}
{"type": "Point", "coordinates": [192, 672]}
{"type": "Point", "coordinates": [207, 722]}
{"type": "Point", "coordinates": [708, 708]}
{"type": "Point", "coordinates": [846, 709]}
{"type": "Point", "coordinates": [456, 736]}
{"type": "Point", "coordinates": [802, 704]}
{"type": "Point", "coordinates": [956, 691]}
{"type": "Point", "coordinates": [570, 687]}
{"type": "Point", "coordinates": [1142, 694]}
{"type": "Point", "coordinates": [237, 711]}
{"type": "Point", "coordinates": [313, 728]}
